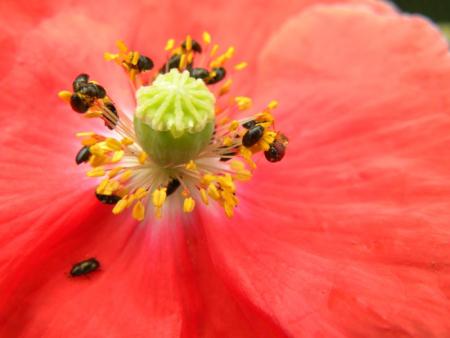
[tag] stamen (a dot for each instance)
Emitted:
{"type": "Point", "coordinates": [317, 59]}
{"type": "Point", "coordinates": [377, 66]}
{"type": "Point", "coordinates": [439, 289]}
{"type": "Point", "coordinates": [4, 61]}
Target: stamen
{"type": "Point", "coordinates": [156, 155]}
{"type": "Point", "coordinates": [188, 205]}
{"type": "Point", "coordinates": [206, 38]}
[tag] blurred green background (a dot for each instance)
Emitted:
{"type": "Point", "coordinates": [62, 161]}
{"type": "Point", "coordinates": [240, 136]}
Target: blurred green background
{"type": "Point", "coordinates": [437, 10]}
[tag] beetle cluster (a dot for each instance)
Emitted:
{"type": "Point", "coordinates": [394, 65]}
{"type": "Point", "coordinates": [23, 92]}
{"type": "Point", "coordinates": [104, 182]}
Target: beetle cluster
{"type": "Point", "coordinates": [85, 93]}
{"type": "Point", "coordinates": [255, 132]}
{"type": "Point", "coordinates": [210, 77]}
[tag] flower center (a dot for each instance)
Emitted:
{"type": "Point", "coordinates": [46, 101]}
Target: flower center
{"type": "Point", "coordinates": [174, 118]}
{"type": "Point", "coordinates": [184, 144]}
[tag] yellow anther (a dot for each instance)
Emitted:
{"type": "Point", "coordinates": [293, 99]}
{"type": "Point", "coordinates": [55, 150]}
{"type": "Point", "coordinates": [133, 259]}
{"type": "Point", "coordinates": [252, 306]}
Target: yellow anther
{"type": "Point", "coordinates": [243, 102]}
{"type": "Point", "coordinates": [243, 175]}
{"type": "Point", "coordinates": [159, 197]}
{"type": "Point", "coordinates": [138, 211]}
{"type": "Point", "coordinates": [96, 161]}
{"type": "Point", "coordinates": [190, 57]}
{"type": "Point", "coordinates": [237, 165]}
{"type": "Point", "coordinates": [114, 171]}
{"type": "Point", "coordinates": [208, 178]}
{"type": "Point", "coordinates": [229, 198]}
{"type": "Point", "coordinates": [264, 117]}
{"type": "Point", "coordinates": [120, 206]}
{"type": "Point", "coordinates": [229, 53]}
{"type": "Point", "coordinates": [272, 104]}
{"type": "Point", "coordinates": [126, 176]}
{"type": "Point", "coordinates": [91, 114]}
{"type": "Point", "coordinates": [183, 62]}
{"type": "Point", "coordinates": [247, 155]}
{"type": "Point", "coordinates": [101, 187]}
{"type": "Point", "coordinates": [113, 144]}
{"type": "Point", "coordinates": [188, 43]}
{"type": "Point", "coordinates": [206, 38]}
{"type": "Point", "coordinates": [225, 88]}
{"type": "Point", "coordinates": [227, 141]}
{"type": "Point", "coordinates": [130, 200]}
{"type": "Point", "coordinates": [204, 196]}
{"type": "Point", "coordinates": [122, 46]}
{"type": "Point", "coordinates": [226, 182]}
{"type": "Point", "coordinates": [121, 191]}
{"type": "Point", "coordinates": [110, 56]}
{"type": "Point", "coordinates": [142, 157]}
{"type": "Point", "coordinates": [188, 205]}
{"type": "Point", "coordinates": [241, 65]}
{"type": "Point", "coordinates": [85, 134]}
{"type": "Point", "coordinates": [218, 62]}
{"type": "Point", "coordinates": [177, 51]}
{"type": "Point", "coordinates": [140, 193]}
{"type": "Point", "coordinates": [111, 187]}
{"type": "Point", "coordinates": [65, 95]}
{"type": "Point", "coordinates": [214, 50]}
{"type": "Point", "coordinates": [134, 58]}
{"type": "Point", "coordinates": [126, 141]}
{"type": "Point", "coordinates": [97, 149]}
{"type": "Point", "coordinates": [213, 192]}
{"type": "Point", "coordinates": [191, 165]}
{"type": "Point", "coordinates": [233, 125]}
{"type": "Point", "coordinates": [169, 44]}
{"type": "Point", "coordinates": [267, 139]}
{"type": "Point", "coordinates": [228, 210]}
{"type": "Point", "coordinates": [96, 172]}
{"type": "Point", "coordinates": [117, 156]}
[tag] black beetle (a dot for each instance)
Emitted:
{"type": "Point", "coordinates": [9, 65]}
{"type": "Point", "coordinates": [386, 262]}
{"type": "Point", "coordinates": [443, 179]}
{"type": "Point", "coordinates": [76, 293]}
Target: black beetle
{"type": "Point", "coordinates": [108, 199]}
{"type": "Point", "coordinates": [172, 186]}
{"type": "Point", "coordinates": [83, 155]}
{"type": "Point", "coordinates": [84, 267]}
{"type": "Point", "coordinates": [252, 136]}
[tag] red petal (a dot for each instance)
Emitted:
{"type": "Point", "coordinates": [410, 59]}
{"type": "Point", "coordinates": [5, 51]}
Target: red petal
{"type": "Point", "coordinates": [147, 284]}
{"type": "Point", "coordinates": [348, 236]}
{"type": "Point", "coordinates": [155, 281]}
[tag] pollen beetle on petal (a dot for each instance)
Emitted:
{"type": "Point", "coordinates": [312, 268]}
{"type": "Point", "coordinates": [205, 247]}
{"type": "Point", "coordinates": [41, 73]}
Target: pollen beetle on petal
{"type": "Point", "coordinates": [199, 73]}
{"type": "Point", "coordinates": [108, 199]}
{"type": "Point", "coordinates": [144, 63]}
{"type": "Point", "coordinates": [250, 124]}
{"type": "Point", "coordinates": [173, 62]}
{"type": "Point", "coordinates": [172, 186]}
{"type": "Point", "coordinates": [196, 47]}
{"type": "Point", "coordinates": [80, 81]}
{"type": "Point", "coordinates": [220, 73]}
{"type": "Point", "coordinates": [79, 104]}
{"type": "Point", "coordinates": [101, 92]}
{"type": "Point", "coordinates": [277, 149]}
{"type": "Point", "coordinates": [83, 155]}
{"type": "Point", "coordinates": [252, 136]}
{"type": "Point", "coordinates": [276, 152]}
{"type": "Point", "coordinates": [84, 267]}
{"type": "Point", "coordinates": [93, 91]}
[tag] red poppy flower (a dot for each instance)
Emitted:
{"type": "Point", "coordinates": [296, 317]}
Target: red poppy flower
{"type": "Point", "coordinates": [346, 237]}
